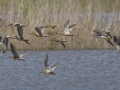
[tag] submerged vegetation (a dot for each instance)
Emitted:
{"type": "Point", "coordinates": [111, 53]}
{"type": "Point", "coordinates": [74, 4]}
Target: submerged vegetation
{"type": "Point", "coordinates": [86, 14]}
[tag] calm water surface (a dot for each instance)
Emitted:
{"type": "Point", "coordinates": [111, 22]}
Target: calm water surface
{"type": "Point", "coordinates": [77, 70]}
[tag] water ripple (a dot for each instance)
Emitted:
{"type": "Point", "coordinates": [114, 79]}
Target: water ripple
{"type": "Point", "coordinates": [77, 70]}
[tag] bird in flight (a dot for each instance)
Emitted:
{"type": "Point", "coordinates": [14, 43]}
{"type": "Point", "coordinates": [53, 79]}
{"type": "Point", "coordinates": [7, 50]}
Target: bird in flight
{"type": "Point", "coordinates": [67, 29]}
{"type": "Point", "coordinates": [20, 32]}
{"type": "Point", "coordinates": [48, 68]}
{"type": "Point", "coordinates": [16, 56]}
{"type": "Point", "coordinates": [60, 41]}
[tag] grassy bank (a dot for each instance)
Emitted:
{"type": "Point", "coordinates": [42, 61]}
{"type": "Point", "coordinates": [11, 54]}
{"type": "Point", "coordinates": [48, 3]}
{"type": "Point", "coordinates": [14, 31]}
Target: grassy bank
{"type": "Point", "coordinates": [86, 14]}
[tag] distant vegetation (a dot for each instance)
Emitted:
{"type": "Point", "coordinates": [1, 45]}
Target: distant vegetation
{"type": "Point", "coordinates": [86, 14]}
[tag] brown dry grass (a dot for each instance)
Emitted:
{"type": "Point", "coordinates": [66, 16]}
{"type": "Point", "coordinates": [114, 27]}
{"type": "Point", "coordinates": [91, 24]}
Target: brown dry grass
{"type": "Point", "coordinates": [56, 12]}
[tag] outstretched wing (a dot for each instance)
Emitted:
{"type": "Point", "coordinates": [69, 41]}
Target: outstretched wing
{"type": "Point", "coordinates": [108, 40]}
{"type": "Point", "coordinates": [38, 30]}
{"type": "Point", "coordinates": [22, 54]}
{"type": "Point", "coordinates": [97, 33]}
{"type": "Point", "coordinates": [46, 62]}
{"type": "Point", "coordinates": [108, 34]}
{"type": "Point", "coordinates": [20, 31]}
{"type": "Point", "coordinates": [5, 42]}
{"type": "Point", "coordinates": [62, 43]}
{"type": "Point", "coordinates": [70, 27]}
{"type": "Point", "coordinates": [14, 51]}
{"type": "Point", "coordinates": [54, 66]}
{"type": "Point", "coordinates": [66, 27]}
{"type": "Point", "coordinates": [42, 30]}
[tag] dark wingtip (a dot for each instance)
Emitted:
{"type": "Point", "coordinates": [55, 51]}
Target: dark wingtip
{"type": "Point", "coordinates": [53, 73]}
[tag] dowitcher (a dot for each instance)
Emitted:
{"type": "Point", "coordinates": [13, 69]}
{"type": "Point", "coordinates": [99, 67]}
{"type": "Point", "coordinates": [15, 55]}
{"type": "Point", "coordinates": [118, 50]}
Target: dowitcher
{"type": "Point", "coordinates": [98, 34]}
{"type": "Point", "coordinates": [4, 42]}
{"type": "Point", "coordinates": [20, 32]}
{"type": "Point", "coordinates": [15, 54]}
{"type": "Point", "coordinates": [67, 29]}
{"type": "Point", "coordinates": [39, 32]}
{"type": "Point", "coordinates": [48, 69]}
{"type": "Point", "coordinates": [60, 41]}
{"type": "Point", "coordinates": [106, 36]}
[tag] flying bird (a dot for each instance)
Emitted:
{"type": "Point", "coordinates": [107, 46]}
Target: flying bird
{"type": "Point", "coordinates": [67, 29]}
{"type": "Point", "coordinates": [106, 36]}
{"type": "Point", "coordinates": [39, 31]}
{"type": "Point", "coordinates": [16, 56]}
{"type": "Point", "coordinates": [48, 68]}
{"type": "Point", "coordinates": [20, 32]}
{"type": "Point", "coordinates": [60, 41]}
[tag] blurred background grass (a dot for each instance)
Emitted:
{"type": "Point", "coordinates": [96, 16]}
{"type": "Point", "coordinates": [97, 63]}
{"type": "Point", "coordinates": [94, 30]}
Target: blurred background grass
{"type": "Point", "coordinates": [86, 14]}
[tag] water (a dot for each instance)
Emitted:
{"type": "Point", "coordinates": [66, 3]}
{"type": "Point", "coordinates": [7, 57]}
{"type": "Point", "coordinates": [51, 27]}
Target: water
{"type": "Point", "coordinates": [77, 70]}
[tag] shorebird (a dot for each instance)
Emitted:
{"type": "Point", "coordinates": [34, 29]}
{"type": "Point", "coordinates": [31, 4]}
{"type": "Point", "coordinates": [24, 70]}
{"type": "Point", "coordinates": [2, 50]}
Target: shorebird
{"type": "Point", "coordinates": [15, 54]}
{"type": "Point", "coordinates": [39, 31]}
{"type": "Point", "coordinates": [116, 39]}
{"type": "Point", "coordinates": [60, 41]}
{"type": "Point", "coordinates": [20, 32]}
{"type": "Point", "coordinates": [67, 29]}
{"type": "Point", "coordinates": [106, 36]}
{"type": "Point", "coordinates": [48, 69]}
{"type": "Point", "coordinates": [98, 34]}
{"type": "Point", "coordinates": [4, 42]}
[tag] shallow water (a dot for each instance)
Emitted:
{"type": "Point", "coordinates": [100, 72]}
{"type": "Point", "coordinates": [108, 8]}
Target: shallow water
{"type": "Point", "coordinates": [77, 70]}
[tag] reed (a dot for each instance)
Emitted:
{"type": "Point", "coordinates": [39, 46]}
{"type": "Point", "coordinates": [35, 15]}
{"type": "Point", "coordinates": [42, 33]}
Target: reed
{"type": "Point", "coordinates": [86, 14]}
